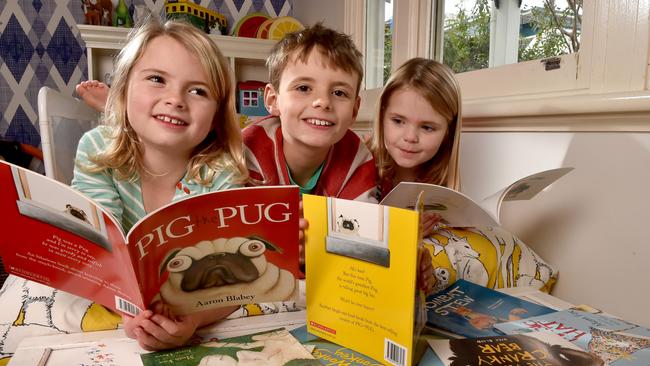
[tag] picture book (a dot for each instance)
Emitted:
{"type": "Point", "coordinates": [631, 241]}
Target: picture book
{"type": "Point", "coordinates": [270, 348]}
{"type": "Point", "coordinates": [458, 210]}
{"type": "Point", "coordinates": [616, 341]}
{"type": "Point", "coordinates": [470, 310]}
{"type": "Point", "coordinates": [222, 248]}
{"type": "Point", "coordinates": [531, 349]}
{"type": "Point", "coordinates": [361, 281]}
{"type": "Point", "coordinates": [329, 353]}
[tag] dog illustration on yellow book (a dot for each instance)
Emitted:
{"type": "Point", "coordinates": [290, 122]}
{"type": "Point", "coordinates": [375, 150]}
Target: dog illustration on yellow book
{"type": "Point", "coordinates": [224, 272]}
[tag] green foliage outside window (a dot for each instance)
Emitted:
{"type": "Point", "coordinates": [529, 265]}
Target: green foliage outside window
{"type": "Point", "coordinates": [467, 34]}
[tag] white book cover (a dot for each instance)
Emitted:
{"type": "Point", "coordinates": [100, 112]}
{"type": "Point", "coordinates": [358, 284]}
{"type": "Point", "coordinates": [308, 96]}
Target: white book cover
{"type": "Point", "coordinates": [459, 210]}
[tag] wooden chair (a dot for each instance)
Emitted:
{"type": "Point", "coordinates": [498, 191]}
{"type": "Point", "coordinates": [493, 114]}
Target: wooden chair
{"type": "Point", "coordinates": [63, 119]}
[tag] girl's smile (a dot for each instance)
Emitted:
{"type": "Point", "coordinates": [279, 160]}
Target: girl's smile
{"type": "Point", "coordinates": [413, 130]}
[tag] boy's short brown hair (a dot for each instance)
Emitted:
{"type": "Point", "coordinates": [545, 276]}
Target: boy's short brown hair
{"type": "Point", "coordinates": [335, 46]}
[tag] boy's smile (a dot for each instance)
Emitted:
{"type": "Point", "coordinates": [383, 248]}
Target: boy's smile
{"type": "Point", "coordinates": [316, 104]}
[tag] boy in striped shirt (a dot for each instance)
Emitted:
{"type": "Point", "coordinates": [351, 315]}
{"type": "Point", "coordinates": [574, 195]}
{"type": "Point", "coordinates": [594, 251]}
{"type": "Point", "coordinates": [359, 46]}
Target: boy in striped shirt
{"type": "Point", "coordinates": [313, 99]}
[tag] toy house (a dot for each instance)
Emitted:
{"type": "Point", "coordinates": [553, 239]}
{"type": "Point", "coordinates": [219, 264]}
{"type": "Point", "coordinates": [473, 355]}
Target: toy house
{"type": "Point", "coordinates": [250, 98]}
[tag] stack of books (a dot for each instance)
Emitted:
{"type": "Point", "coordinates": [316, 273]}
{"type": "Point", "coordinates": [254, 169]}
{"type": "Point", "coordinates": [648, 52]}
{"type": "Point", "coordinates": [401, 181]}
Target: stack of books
{"type": "Point", "coordinates": [484, 325]}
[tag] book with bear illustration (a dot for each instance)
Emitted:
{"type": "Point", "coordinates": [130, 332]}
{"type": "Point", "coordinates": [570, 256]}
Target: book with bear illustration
{"type": "Point", "coordinates": [535, 348]}
{"type": "Point", "coordinates": [459, 210]}
{"type": "Point", "coordinates": [362, 261]}
{"type": "Point", "coordinates": [216, 249]}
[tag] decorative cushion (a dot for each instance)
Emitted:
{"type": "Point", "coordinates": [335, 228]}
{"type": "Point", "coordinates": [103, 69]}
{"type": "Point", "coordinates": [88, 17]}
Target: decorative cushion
{"type": "Point", "coordinates": [490, 256]}
{"type": "Point", "coordinates": [30, 309]}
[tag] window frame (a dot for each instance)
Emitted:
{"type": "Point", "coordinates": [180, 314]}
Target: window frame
{"type": "Point", "coordinates": [610, 70]}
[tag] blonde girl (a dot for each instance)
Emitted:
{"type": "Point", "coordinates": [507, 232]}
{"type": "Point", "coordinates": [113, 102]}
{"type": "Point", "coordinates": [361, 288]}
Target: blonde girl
{"type": "Point", "coordinates": [169, 131]}
{"type": "Point", "coordinates": [417, 126]}
{"type": "Point", "coordinates": [417, 134]}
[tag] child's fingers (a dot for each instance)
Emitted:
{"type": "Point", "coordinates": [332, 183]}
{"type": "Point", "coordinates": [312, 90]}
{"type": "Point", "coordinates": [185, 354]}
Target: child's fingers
{"type": "Point", "coordinates": [131, 323]}
{"type": "Point", "coordinates": [427, 278]}
{"type": "Point", "coordinates": [173, 331]}
{"type": "Point", "coordinates": [149, 342]}
{"type": "Point", "coordinates": [156, 328]}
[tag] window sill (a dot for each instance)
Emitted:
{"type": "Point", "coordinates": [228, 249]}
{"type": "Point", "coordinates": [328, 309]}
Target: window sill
{"type": "Point", "coordinates": [612, 112]}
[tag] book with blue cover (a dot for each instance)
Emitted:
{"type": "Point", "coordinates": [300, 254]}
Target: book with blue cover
{"type": "Point", "coordinates": [470, 310]}
{"type": "Point", "coordinates": [616, 341]}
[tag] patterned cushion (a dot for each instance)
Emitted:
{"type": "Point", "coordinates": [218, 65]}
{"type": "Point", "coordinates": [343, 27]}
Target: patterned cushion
{"type": "Point", "coordinates": [30, 309]}
{"type": "Point", "coordinates": [491, 256]}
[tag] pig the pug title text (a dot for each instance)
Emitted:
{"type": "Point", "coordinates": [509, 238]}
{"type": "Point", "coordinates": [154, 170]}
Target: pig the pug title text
{"type": "Point", "coordinates": [224, 217]}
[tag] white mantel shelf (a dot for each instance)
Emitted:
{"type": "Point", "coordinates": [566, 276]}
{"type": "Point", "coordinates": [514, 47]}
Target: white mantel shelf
{"type": "Point", "coordinates": [103, 37]}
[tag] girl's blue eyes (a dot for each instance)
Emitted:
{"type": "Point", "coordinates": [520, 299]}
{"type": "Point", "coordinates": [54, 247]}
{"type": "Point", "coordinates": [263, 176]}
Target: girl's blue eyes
{"type": "Point", "coordinates": [155, 79]}
{"type": "Point", "coordinates": [199, 91]}
{"type": "Point", "coordinates": [425, 128]}
{"type": "Point", "coordinates": [160, 80]}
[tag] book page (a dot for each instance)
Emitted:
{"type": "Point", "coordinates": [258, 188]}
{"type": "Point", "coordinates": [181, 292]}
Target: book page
{"type": "Point", "coordinates": [230, 247]}
{"type": "Point", "coordinates": [56, 236]}
{"type": "Point", "coordinates": [523, 189]}
{"type": "Point", "coordinates": [456, 209]}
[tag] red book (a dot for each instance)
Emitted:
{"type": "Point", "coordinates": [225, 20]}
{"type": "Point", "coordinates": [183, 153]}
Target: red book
{"type": "Point", "coordinates": [223, 248]}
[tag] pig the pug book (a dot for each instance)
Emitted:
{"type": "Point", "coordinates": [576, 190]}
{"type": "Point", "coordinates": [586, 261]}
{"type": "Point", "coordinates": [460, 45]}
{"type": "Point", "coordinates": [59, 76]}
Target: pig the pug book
{"type": "Point", "coordinates": [216, 249]}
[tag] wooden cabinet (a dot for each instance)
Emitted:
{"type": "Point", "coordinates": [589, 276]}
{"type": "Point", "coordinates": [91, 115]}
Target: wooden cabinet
{"type": "Point", "coordinates": [246, 55]}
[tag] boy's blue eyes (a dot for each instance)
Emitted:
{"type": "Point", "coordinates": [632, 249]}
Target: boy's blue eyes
{"type": "Point", "coordinates": [337, 92]}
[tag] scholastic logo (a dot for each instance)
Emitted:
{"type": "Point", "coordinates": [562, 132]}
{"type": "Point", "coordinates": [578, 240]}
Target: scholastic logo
{"type": "Point", "coordinates": [322, 327]}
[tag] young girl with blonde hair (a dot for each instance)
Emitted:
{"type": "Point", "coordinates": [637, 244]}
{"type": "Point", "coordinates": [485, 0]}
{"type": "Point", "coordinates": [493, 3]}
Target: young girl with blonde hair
{"type": "Point", "coordinates": [417, 134]}
{"type": "Point", "coordinates": [169, 131]}
{"type": "Point", "coordinates": [417, 129]}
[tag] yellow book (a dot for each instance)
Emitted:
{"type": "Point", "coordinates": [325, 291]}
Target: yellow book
{"type": "Point", "coordinates": [362, 262]}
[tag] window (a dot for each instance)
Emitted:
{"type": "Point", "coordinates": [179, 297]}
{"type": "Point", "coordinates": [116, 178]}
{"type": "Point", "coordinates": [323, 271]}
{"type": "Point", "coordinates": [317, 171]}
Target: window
{"type": "Point", "coordinates": [612, 56]}
{"type": "Point", "coordinates": [379, 43]}
{"type": "Point", "coordinates": [476, 34]}
{"type": "Point", "coordinates": [250, 98]}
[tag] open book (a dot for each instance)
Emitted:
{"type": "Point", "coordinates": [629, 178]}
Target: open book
{"type": "Point", "coordinates": [216, 249]}
{"type": "Point", "coordinates": [275, 347]}
{"type": "Point", "coordinates": [362, 262]}
{"type": "Point", "coordinates": [458, 210]}
{"type": "Point", "coordinates": [616, 341]}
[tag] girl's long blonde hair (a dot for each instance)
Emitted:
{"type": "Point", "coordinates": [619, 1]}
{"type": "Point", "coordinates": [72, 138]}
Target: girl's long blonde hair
{"type": "Point", "coordinates": [220, 150]}
{"type": "Point", "coordinates": [437, 84]}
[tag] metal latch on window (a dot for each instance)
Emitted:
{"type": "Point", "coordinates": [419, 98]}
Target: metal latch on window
{"type": "Point", "coordinates": [551, 63]}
